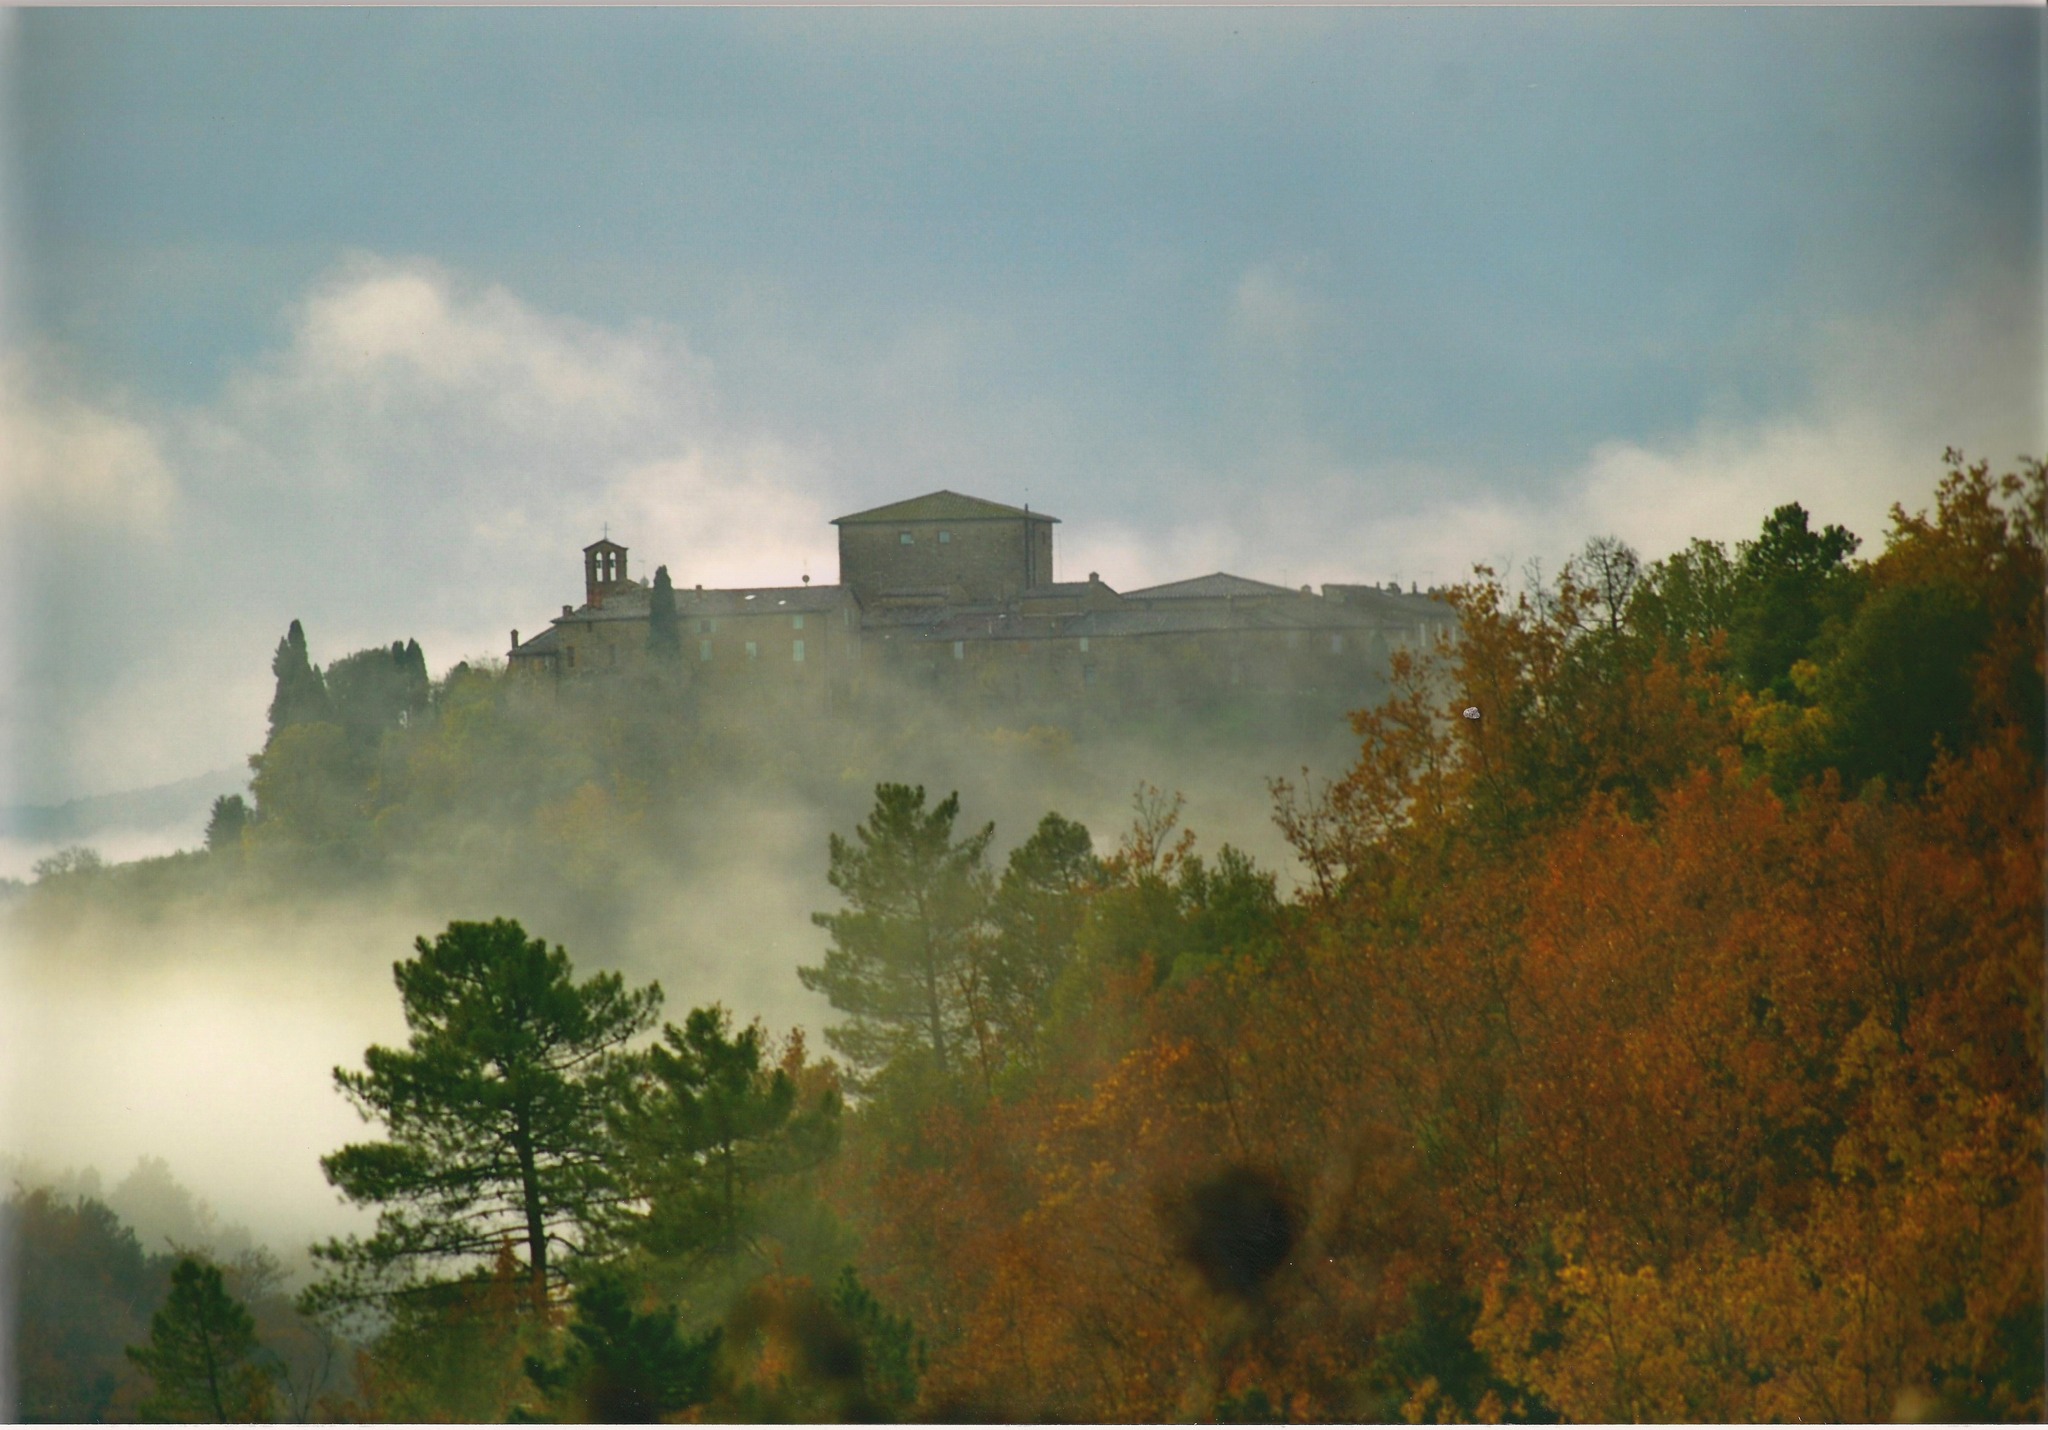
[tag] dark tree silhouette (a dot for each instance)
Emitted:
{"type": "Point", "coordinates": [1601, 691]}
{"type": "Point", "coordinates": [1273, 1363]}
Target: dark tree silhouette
{"type": "Point", "coordinates": [496, 1113]}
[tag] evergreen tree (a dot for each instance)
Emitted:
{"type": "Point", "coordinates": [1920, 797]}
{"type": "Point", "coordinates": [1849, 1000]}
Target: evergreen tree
{"type": "Point", "coordinates": [414, 668]}
{"type": "Point", "coordinates": [202, 1352]}
{"type": "Point", "coordinates": [1790, 582]}
{"type": "Point", "coordinates": [301, 694]}
{"type": "Point", "coordinates": [80, 1289]}
{"type": "Point", "coordinates": [664, 632]}
{"type": "Point", "coordinates": [371, 691]}
{"type": "Point", "coordinates": [710, 1127]}
{"type": "Point", "coordinates": [917, 899]}
{"type": "Point", "coordinates": [496, 1113]}
{"type": "Point", "coordinates": [224, 829]}
{"type": "Point", "coordinates": [893, 1356]}
{"type": "Point", "coordinates": [1038, 911]}
{"type": "Point", "coordinates": [624, 1366]}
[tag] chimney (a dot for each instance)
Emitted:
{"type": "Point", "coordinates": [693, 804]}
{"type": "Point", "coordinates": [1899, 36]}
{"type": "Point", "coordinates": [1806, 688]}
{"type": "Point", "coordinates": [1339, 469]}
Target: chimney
{"type": "Point", "coordinates": [515, 638]}
{"type": "Point", "coordinates": [568, 611]}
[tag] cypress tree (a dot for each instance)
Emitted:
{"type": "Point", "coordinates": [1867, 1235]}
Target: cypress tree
{"type": "Point", "coordinates": [301, 694]}
{"type": "Point", "coordinates": [413, 668]}
{"type": "Point", "coordinates": [664, 632]}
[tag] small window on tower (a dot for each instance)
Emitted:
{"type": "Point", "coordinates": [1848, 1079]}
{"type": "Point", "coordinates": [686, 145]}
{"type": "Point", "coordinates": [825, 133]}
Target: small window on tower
{"type": "Point", "coordinates": [753, 650]}
{"type": "Point", "coordinates": [945, 537]}
{"type": "Point", "coordinates": [904, 538]}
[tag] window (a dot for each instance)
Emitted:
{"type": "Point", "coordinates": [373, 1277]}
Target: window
{"type": "Point", "coordinates": [796, 650]}
{"type": "Point", "coordinates": [703, 650]}
{"type": "Point", "coordinates": [796, 623]}
{"type": "Point", "coordinates": [1337, 644]}
{"type": "Point", "coordinates": [959, 650]}
{"type": "Point", "coordinates": [571, 651]}
{"type": "Point", "coordinates": [1294, 640]}
{"type": "Point", "coordinates": [753, 651]}
{"type": "Point", "coordinates": [905, 538]}
{"type": "Point", "coordinates": [704, 628]}
{"type": "Point", "coordinates": [1088, 675]}
{"type": "Point", "coordinates": [1084, 645]}
{"type": "Point", "coordinates": [945, 538]}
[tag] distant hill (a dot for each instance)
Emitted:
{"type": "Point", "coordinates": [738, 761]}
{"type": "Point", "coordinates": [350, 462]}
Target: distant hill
{"type": "Point", "coordinates": [183, 802]}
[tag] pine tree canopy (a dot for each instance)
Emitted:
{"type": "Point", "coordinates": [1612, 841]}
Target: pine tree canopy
{"type": "Point", "coordinates": [202, 1352]}
{"type": "Point", "coordinates": [495, 1112]}
{"type": "Point", "coordinates": [916, 900]}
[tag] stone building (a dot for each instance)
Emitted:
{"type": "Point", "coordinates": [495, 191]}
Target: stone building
{"type": "Point", "coordinates": [955, 592]}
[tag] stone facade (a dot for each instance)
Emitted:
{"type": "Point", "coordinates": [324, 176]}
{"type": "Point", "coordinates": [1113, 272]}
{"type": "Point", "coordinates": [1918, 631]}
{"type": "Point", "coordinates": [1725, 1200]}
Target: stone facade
{"type": "Point", "coordinates": [948, 591]}
{"type": "Point", "coordinates": [944, 549]}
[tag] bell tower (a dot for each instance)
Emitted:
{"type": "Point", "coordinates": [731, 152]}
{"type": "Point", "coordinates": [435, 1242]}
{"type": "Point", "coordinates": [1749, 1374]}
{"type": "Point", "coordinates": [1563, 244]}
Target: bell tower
{"type": "Point", "coordinates": [604, 570]}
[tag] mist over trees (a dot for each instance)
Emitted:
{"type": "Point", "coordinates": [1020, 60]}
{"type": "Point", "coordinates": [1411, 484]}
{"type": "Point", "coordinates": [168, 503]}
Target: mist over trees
{"type": "Point", "coordinates": [106, 1328]}
{"type": "Point", "coordinates": [1661, 1043]}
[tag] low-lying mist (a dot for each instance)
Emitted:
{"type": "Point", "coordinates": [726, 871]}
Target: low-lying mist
{"type": "Point", "coordinates": [193, 1008]}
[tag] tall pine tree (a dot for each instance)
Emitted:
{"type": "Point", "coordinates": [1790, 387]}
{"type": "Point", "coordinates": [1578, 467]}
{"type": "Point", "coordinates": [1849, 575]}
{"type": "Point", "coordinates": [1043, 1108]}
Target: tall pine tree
{"type": "Point", "coordinates": [202, 1352]}
{"type": "Point", "coordinates": [713, 1125]}
{"type": "Point", "coordinates": [496, 1113]}
{"type": "Point", "coordinates": [917, 899]}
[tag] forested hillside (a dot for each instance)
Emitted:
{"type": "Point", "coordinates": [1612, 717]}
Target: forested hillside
{"type": "Point", "coordinates": [1648, 1028]}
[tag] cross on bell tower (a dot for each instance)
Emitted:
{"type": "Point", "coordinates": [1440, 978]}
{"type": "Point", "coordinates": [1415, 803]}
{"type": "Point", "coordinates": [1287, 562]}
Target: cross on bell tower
{"type": "Point", "coordinates": [604, 569]}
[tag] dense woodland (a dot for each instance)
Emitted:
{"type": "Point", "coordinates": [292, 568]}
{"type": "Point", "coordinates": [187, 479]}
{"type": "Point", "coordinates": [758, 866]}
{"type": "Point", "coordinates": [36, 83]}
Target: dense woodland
{"type": "Point", "coordinates": [1655, 1033]}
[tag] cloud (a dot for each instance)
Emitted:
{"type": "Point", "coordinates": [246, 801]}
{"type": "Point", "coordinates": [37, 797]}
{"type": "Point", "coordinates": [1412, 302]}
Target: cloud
{"type": "Point", "coordinates": [423, 456]}
{"type": "Point", "coordinates": [66, 460]}
{"type": "Point", "coordinates": [1887, 396]}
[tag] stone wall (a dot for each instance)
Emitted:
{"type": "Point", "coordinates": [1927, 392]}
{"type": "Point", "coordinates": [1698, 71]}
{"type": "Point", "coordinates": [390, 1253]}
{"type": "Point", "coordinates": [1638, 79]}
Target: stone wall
{"type": "Point", "coordinates": [976, 561]}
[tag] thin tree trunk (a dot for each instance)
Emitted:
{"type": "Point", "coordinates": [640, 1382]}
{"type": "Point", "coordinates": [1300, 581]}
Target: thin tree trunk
{"type": "Point", "coordinates": [536, 1217]}
{"type": "Point", "coordinates": [220, 1412]}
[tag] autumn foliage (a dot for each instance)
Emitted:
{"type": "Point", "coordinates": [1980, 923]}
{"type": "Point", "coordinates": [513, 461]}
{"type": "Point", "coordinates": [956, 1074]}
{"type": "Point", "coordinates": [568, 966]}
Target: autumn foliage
{"type": "Point", "coordinates": [1664, 1044]}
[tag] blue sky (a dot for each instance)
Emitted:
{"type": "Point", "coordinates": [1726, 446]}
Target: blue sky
{"type": "Point", "coordinates": [366, 316]}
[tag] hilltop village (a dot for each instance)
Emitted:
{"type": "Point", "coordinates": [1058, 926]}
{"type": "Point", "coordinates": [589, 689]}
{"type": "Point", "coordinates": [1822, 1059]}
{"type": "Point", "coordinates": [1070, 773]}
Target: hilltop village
{"type": "Point", "coordinates": [958, 593]}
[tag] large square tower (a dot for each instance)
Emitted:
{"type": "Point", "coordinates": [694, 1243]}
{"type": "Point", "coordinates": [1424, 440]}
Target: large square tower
{"type": "Point", "coordinates": [947, 546]}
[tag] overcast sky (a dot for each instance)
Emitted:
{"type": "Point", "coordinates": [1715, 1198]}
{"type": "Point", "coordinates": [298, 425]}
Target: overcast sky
{"type": "Point", "coordinates": [374, 317]}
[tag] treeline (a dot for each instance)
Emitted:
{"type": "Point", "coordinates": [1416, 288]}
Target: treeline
{"type": "Point", "coordinates": [1658, 1038]}
{"type": "Point", "coordinates": [1656, 1035]}
{"type": "Point", "coordinates": [104, 1330]}
{"type": "Point", "coordinates": [581, 805]}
